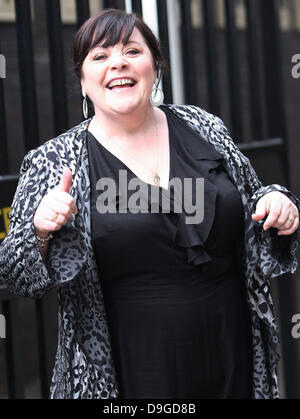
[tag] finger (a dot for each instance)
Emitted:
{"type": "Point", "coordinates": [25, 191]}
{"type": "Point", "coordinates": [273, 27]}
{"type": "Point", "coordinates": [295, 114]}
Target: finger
{"type": "Point", "coordinates": [289, 223]}
{"type": "Point", "coordinates": [273, 216]}
{"type": "Point", "coordinates": [61, 220]}
{"type": "Point", "coordinates": [290, 230]}
{"type": "Point", "coordinates": [66, 199]}
{"type": "Point", "coordinates": [261, 210]}
{"type": "Point", "coordinates": [289, 210]}
{"type": "Point", "coordinates": [49, 215]}
{"type": "Point", "coordinates": [258, 216]}
{"type": "Point", "coordinates": [47, 219]}
{"type": "Point", "coordinates": [284, 218]}
{"type": "Point", "coordinates": [61, 208]}
{"type": "Point", "coordinates": [56, 218]}
{"type": "Point", "coordinates": [66, 180]}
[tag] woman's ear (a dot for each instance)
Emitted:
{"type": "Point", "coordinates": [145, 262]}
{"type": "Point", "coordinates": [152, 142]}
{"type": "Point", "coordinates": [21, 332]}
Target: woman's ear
{"type": "Point", "coordinates": [82, 84]}
{"type": "Point", "coordinates": [82, 88]}
{"type": "Point", "coordinates": [155, 69]}
{"type": "Point", "coordinates": [158, 71]}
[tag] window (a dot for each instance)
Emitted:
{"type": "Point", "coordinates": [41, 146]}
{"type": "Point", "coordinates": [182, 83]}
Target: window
{"type": "Point", "coordinates": [7, 11]}
{"type": "Point", "coordinates": [289, 15]}
{"type": "Point", "coordinates": [68, 9]}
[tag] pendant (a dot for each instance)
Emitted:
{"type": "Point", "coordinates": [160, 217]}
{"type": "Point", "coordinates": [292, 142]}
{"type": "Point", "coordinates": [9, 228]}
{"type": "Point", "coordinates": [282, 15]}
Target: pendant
{"type": "Point", "coordinates": [156, 180]}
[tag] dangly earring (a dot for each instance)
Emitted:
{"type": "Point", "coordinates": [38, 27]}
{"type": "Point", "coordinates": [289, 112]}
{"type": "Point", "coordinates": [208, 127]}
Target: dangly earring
{"type": "Point", "coordinates": [157, 95]}
{"type": "Point", "coordinates": [85, 109]}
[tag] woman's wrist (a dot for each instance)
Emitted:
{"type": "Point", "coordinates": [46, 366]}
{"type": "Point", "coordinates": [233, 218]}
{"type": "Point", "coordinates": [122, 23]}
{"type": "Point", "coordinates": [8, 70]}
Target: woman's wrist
{"type": "Point", "coordinates": [42, 234]}
{"type": "Point", "coordinates": [43, 237]}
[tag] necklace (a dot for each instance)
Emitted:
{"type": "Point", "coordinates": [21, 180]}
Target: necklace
{"type": "Point", "coordinates": [155, 177]}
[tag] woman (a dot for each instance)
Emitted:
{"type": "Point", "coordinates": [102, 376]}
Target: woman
{"type": "Point", "coordinates": [150, 304]}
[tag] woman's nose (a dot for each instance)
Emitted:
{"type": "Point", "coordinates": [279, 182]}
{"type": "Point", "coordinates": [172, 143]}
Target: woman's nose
{"type": "Point", "coordinates": [118, 62]}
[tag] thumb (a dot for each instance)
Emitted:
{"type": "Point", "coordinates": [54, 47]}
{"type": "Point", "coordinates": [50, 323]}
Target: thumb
{"type": "Point", "coordinates": [261, 211]}
{"type": "Point", "coordinates": [66, 180]}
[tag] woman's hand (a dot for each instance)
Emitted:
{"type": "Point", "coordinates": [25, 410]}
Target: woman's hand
{"type": "Point", "coordinates": [282, 213]}
{"type": "Point", "coordinates": [56, 207]}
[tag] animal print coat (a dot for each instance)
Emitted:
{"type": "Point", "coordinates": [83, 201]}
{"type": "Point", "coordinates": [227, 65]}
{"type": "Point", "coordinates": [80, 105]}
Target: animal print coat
{"type": "Point", "coordinates": [84, 366]}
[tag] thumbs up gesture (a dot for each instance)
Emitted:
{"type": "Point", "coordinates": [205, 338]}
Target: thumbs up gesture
{"type": "Point", "coordinates": [56, 207]}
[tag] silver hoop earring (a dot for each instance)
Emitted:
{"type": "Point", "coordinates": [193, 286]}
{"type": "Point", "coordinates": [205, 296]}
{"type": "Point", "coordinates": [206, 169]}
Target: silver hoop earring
{"type": "Point", "coordinates": [85, 109]}
{"type": "Point", "coordinates": [157, 95]}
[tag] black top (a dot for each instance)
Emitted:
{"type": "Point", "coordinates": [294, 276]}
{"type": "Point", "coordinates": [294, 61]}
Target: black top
{"type": "Point", "coordinates": [173, 291]}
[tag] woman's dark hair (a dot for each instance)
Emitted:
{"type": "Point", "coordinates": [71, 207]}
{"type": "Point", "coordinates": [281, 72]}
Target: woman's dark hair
{"type": "Point", "coordinates": [106, 29]}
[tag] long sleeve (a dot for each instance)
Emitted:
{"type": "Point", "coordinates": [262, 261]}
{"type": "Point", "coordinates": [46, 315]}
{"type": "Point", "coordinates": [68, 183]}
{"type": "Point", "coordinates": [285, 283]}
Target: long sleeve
{"type": "Point", "coordinates": [21, 265]}
{"type": "Point", "coordinates": [281, 249]}
{"type": "Point", "coordinates": [277, 253]}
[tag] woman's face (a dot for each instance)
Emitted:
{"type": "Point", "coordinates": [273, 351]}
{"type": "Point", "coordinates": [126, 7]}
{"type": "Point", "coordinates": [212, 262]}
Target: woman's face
{"type": "Point", "coordinates": [119, 79]}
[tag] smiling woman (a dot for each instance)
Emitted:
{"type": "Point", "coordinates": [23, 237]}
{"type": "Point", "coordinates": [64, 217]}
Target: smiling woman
{"type": "Point", "coordinates": [119, 79]}
{"type": "Point", "coordinates": [117, 72]}
{"type": "Point", "coordinates": [151, 305]}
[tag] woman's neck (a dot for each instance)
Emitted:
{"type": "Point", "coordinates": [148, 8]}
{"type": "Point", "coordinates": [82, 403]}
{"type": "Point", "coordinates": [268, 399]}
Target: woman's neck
{"type": "Point", "coordinates": [125, 126]}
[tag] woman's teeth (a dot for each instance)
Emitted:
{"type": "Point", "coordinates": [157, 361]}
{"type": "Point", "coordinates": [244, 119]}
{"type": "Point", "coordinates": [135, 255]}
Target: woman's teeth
{"type": "Point", "coordinates": [121, 83]}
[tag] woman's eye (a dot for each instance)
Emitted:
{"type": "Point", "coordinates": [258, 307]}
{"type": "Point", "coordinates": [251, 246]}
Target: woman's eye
{"type": "Point", "coordinates": [99, 57]}
{"type": "Point", "coordinates": [132, 51]}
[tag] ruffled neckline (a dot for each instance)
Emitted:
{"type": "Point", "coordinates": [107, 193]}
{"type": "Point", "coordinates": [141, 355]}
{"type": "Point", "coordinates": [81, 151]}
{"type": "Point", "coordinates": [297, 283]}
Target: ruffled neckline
{"type": "Point", "coordinates": [199, 158]}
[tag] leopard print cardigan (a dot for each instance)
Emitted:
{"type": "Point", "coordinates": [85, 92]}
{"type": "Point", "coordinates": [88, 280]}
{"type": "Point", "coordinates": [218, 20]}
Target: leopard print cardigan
{"type": "Point", "coordinates": [84, 367]}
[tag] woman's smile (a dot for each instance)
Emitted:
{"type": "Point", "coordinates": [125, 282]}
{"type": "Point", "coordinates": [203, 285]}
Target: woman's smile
{"type": "Point", "coordinates": [122, 89]}
{"type": "Point", "coordinates": [122, 82]}
{"type": "Point", "coordinates": [121, 85]}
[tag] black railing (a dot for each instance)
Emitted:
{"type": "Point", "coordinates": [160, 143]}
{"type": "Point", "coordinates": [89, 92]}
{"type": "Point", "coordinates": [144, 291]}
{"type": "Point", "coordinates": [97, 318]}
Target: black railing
{"type": "Point", "coordinates": [3, 131]}
{"type": "Point", "coordinates": [27, 74]}
{"type": "Point", "coordinates": [137, 7]}
{"type": "Point", "coordinates": [82, 11]}
{"type": "Point", "coordinates": [56, 53]}
{"type": "Point", "coordinates": [212, 58]}
{"type": "Point", "coordinates": [233, 70]}
{"type": "Point", "coordinates": [189, 65]}
{"type": "Point", "coordinates": [256, 106]}
{"type": "Point", "coordinates": [115, 4]}
{"type": "Point", "coordinates": [164, 41]}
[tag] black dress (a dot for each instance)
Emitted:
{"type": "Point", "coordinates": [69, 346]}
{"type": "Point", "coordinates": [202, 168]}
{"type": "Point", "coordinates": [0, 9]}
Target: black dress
{"type": "Point", "coordinates": [174, 292]}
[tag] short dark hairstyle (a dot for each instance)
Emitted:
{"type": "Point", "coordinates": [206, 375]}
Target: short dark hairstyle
{"type": "Point", "coordinates": [106, 29]}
